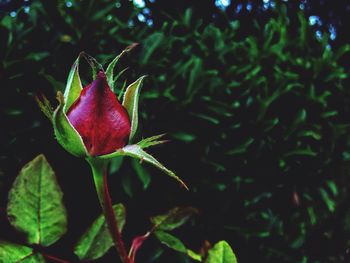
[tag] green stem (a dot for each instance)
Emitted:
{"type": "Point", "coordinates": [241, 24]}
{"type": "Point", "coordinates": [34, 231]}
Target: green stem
{"type": "Point", "coordinates": [99, 171]}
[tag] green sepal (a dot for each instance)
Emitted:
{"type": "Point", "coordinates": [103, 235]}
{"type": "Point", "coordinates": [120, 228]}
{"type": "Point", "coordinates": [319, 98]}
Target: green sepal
{"type": "Point", "coordinates": [10, 252]}
{"type": "Point", "coordinates": [97, 240]}
{"type": "Point", "coordinates": [120, 96]}
{"type": "Point", "coordinates": [65, 133]}
{"type": "Point", "coordinates": [221, 253]}
{"type": "Point", "coordinates": [95, 66]}
{"type": "Point", "coordinates": [111, 66]}
{"type": "Point", "coordinates": [45, 106]}
{"type": "Point", "coordinates": [35, 204]}
{"type": "Point", "coordinates": [136, 151]}
{"type": "Point", "coordinates": [73, 86]}
{"type": "Point", "coordinates": [151, 141]}
{"type": "Point", "coordinates": [110, 69]}
{"type": "Point", "coordinates": [124, 84]}
{"type": "Point", "coordinates": [131, 104]}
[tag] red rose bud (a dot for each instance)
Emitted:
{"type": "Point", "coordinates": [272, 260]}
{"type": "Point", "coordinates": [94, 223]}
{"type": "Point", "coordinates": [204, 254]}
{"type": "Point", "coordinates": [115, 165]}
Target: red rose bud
{"type": "Point", "coordinates": [99, 118]}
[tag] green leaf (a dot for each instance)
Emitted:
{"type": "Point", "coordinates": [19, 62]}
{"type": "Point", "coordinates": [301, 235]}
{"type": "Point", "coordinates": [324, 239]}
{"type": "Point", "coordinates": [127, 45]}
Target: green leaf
{"type": "Point", "coordinates": [194, 75]}
{"type": "Point", "coordinates": [96, 241]}
{"type": "Point", "coordinates": [102, 13]}
{"type": "Point", "coordinates": [73, 86]}
{"type": "Point", "coordinates": [169, 221]}
{"type": "Point", "coordinates": [176, 244]}
{"type": "Point", "coordinates": [303, 152]}
{"type": "Point", "coordinates": [10, 252]}
{"type": "Point", "coordinates": [115, 164]}
{"type": "Point", "coordinates": [141, 173]}
{"type": "Point", "coordinates": [221, 253]}
{"type": "Point", "coordinates": [131, 104]}
{"type": "Point", "coordinates": [174, 218]}
{"type": "Point", "coordinates": [331, 204]}
{"type": "Point", "coordinates": [135, 151]}
{"type": "Point", "coordinates": [170, 241]}
{"type": "Point", "coordinates": [241, 148]}
{"type": "Point", "coordinates": [183, 136]}
{"type": "Point", "coordinates": [333, 187]}
{"type": "Point", "coordinates": [57, 85]}
{"type": "Point", "coordinates": [194, 255]}
{"type": "Point", "coordinates": [65, 133]}
{"type": "Point", "coordinates": [312, 215]}
{"type": "Point", "coordinates": [127, 184]}
{"type": "Point", "coordinates": [37, 56]}
{"type": "Point", "coordinates": [35, 203]}
{"type": "Point", "coordinates": [208, 118]}
{"type": "Point", "coordinates": [151, 43]}
{"type": "Point", "coordinates": [342, 51]}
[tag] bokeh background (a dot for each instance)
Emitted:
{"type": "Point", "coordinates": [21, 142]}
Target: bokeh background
{"type": "Point", "coordinates": [254, 96]}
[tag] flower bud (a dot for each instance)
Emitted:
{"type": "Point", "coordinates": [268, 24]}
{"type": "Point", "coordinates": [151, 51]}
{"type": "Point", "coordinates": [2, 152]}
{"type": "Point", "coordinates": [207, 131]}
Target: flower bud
{"type": "Point", "coordinates": [99, 118]}
{"type": "Point", "coordinates": [91, 123]}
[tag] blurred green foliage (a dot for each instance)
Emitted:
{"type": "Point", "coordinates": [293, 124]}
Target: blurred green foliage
{"type": "Point", "coordinates": [258, 114]}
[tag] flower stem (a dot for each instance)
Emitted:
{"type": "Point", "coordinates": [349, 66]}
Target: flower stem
{"type": "Point", "coordinates": [99, 171]}
{"type": "Point", "coordinates": [53, 258]}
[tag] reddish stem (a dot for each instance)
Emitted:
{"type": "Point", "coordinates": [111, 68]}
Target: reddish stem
{"type": "Point", "coordinates": [100, 178]}
{"type": "Point", "coordinates": [55, 259]}
{"type": "Point", "coordinates": [113, 225]}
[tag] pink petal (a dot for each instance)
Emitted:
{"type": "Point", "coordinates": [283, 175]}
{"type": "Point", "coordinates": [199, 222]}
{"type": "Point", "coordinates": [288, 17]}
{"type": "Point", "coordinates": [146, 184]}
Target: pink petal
{"type": "Point", "coordinates": [99, 118]}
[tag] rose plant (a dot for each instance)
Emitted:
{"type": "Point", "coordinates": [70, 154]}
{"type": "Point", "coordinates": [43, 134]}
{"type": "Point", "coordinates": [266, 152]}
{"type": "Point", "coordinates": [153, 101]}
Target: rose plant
{"type": "Point", "coordinates": [90, 122]}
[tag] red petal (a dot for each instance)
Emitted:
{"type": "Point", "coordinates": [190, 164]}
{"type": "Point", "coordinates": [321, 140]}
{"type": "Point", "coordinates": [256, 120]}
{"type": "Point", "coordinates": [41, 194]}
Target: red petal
{"type": "Point", "coordinates": [100, 119]}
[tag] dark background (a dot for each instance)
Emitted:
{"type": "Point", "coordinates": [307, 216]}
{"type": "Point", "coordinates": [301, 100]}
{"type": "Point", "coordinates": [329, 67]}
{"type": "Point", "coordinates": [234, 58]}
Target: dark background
{"type": "Point", "coordinates": [254, 96]}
